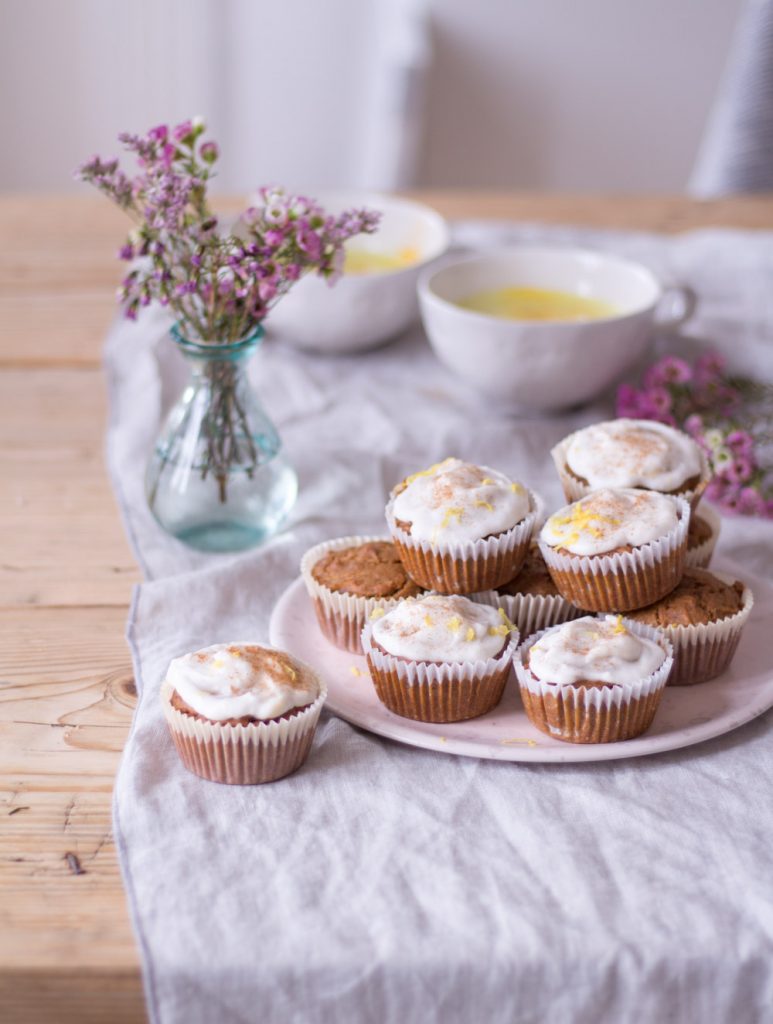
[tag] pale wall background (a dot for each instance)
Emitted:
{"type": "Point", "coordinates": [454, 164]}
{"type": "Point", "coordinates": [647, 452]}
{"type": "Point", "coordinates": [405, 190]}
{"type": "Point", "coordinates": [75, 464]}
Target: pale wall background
{"type": "Point", "coordinates": [552, 94]}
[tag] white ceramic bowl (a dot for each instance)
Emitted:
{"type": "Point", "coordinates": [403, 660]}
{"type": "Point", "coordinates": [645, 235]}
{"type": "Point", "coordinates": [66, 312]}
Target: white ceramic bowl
{"type": "Point", "coordinates": [364, 310]}
{"type": "Point", "coordinates": [544, 365]}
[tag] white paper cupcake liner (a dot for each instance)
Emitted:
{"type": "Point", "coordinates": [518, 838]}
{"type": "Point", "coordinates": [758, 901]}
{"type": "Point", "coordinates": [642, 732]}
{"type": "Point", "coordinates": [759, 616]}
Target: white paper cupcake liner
{"type": "Point", "coordinates": [530, 612]}
{"type": "Point", "coordinates": [703, 651]}
{"type": "Point", "coordinates": [242, 755]}
{"type": "Point", "coordinates": [438, 692]}
{"type": "Point", "coordinates": [625, 580]}
{"type": "Point", "coordinates": [341, 616]}
{"type": "Point", "coordinates": [699, 557]}
{"type": "Point", "coordinates": [466, 567]}
{"type": "Point", "coordinates": [574, 488]}
{"type": "Point", "coordinates": [584, 714]}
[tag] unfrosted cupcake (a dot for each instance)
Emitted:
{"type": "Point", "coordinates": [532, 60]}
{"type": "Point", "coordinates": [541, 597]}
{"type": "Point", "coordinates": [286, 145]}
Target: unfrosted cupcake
{"type": "Point", "coordinates": [593, 680]}
{"type": "Point", "coordinates": [440, 658]}
{"type": "Point", "coordinates": [241, 713]}
{"type": "Point", "coordinates": [703, 617]}
{"type": "Point", "coordinates": [531, 600]}
{"type": "Point", "coordinates": [347, 579]}
{"type": "Point", "coordinates": [617, 549]}
{"type": "Point", "coordinates": [702, 536]}
{"type": "Point", "coordinates": [461, 528]}
{"type": "Point", "coordinates": [631, 453]}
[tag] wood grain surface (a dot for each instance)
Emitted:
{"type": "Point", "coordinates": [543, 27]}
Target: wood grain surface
{"type": "Point", "coordinates": [67, 952]}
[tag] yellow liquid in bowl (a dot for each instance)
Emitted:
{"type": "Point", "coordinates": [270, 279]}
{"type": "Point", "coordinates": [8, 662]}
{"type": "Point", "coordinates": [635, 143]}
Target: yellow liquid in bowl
{"type": "Point", "coordinates": [365, 261]}
{"type": "Point", "coordinates": [517, 303]}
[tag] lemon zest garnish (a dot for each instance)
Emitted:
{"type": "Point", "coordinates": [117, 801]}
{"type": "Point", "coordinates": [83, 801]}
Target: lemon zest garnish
{"type": "Point", "coordinates": [516, 488]}
{"type": "Point", "coordinates": [430, 471]}
{"type": "Point", "coordinates": [502, 630]}
{"type": "Point", "coordinates": [218, 663]}
{"type": "Point", "coordinates": [470, 634]}
{"type": "Point", "coordinates": [376, 613]}
{"type": "Point", "coordinates": [454, 624]}
{"type": "Point", "coordinates": [487, 480]}
{"type": "Point", "coordinates": [356, 671]}
{"type": "Point", "coordinates": [517, 739]}
{"type": "Point", "coordinates": [428, 621]}
{"type": "Point", "coordinates": [451, 513]}
{"type": "Point", "coordinates": [290, 671]}
{"type": "Point", "coordinates": [485, 504]}
{"type": "Point", "coordinates": [619, 627]}
{"type": "Point", "coordinates": [583, 519]}
{"type": "Point", "coordinates": [443, 739]}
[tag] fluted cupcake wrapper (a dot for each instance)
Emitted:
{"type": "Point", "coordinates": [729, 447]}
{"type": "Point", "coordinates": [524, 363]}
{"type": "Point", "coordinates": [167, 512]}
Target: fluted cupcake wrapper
{"type": "Point", "coordinates": [469, 567]}
{"type": "Point", "coordinates": [242, 755]}
{"type": "Point", "coordinates": [438, 692]}
{"type": "Point", "coordinates": [623, 581]}
{"type": "Point", "coordinates": [699, 557]}
{"type": "Point", "coordinates": [585, 714]}
{"type": "Point", "coordinates": [530, 612]}
{"type": "Point", "coordinates": [703, 651]}
{"type": "Point", "coordinates": [574, 488]}
{"type": "Point", "coordinates": [341, 616]}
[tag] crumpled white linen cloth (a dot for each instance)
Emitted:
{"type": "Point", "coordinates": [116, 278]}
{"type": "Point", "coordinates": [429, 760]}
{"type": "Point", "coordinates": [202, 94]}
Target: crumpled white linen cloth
{"type": "Point", "coordinates": [388, 884]}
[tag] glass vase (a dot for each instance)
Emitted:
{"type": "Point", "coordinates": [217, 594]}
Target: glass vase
{"type": "Point", "coordinates": [216, 480]}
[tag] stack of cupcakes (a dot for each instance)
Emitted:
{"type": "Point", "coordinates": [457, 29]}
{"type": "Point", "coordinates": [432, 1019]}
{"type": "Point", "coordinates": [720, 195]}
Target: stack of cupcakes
{"type": "Point", "coordinates": [440, 609]}
{"type": "Point", "coordinates": [623, 547]}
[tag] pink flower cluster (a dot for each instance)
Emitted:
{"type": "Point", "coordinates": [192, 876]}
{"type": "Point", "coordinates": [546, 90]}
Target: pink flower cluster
{"type": "Point", "coordinates": [219, 285]}
{"type": "Point", "coordinates": [707, 403]}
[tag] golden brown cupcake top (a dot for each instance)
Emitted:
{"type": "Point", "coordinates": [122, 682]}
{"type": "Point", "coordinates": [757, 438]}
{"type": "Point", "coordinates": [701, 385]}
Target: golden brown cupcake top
{"type": "Point", "coordinates": [370, 569]}
{"type": "Point", "coordinates": [533, 578]}
{"type": "Point", "coordinates": [699, 598]}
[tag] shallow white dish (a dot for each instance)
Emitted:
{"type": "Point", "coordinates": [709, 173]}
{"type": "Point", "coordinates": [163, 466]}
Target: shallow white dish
{"type": "Point", "coordinates": [687, 715]}
{"type": "Point", "coordinates": [364, 310]}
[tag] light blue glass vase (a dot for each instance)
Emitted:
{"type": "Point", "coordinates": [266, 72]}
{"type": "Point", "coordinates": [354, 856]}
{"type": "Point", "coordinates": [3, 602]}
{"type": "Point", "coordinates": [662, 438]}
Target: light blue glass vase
{"type": "Point", "coordinates": [216, 480]}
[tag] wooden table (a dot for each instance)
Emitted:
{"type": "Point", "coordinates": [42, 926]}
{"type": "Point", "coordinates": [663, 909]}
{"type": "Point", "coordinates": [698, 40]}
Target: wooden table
{"type": "Point", "coordinates": [66, 692]}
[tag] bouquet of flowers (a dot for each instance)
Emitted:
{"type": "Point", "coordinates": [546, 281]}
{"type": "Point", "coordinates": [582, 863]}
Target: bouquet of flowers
{"type": "Point", "coordinates": [729, 417]}
{"type": "Point", "coordinates": [219, 285]}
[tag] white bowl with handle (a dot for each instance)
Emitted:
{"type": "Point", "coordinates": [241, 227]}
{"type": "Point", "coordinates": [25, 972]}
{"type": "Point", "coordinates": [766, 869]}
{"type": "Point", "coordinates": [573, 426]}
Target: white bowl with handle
{"type": "Point", "coordinates": [365, 309]}
{"type": "Point", "coordinates": [546, 365]}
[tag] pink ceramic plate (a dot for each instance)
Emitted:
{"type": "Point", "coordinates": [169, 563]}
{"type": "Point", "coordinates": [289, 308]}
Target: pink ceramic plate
{"type": "Point", "coordinates": [686, 715]}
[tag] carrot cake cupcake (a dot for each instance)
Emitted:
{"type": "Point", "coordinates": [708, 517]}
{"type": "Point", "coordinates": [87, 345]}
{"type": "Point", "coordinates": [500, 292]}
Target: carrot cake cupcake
{"type": "Point", "coordinates": [702, 536]}
{"type": "Point", "coordinates": [461, 528]}
{"type": "Point", "coordinates": [632, 453]}
{"type": "Point", "coordinates": [440, 658]}
{"type": "Point", "coordinates": [593, 680]}
{"type": "Point", "coordinates": [703, 617]}
{"type": "Point", "coordinates": [531, 600]}
{"type": "Point", "coordinates": [347, 579]}
{"type": "Point", "coordinates": [241, 713]}
{"type": "Point", "coordinates": [617, 549]}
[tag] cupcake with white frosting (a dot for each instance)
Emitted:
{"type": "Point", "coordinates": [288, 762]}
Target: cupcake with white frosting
{"type": "Point", "coordinates": [440, 658]}
{"type": "Point", "coordinates": [461, 528]}
{"type": "Point", "coordinates": [241, 713]}
{"type": "Point", "coordinates": [617, 549]}
{"type": "Point", "coordinates": [594, 680]}
{"type": "Point", "coordinates": [632, 453]}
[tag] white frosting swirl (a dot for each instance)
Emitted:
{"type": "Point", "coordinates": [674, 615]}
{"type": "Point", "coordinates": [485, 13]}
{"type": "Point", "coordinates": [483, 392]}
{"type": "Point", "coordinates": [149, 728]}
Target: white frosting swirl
{"type": "Point", "coordinates": [601, 650]}
{"type": "Point", "coordinates": [610, 519]}
{"type": "Point", "coordinates": [440, 628]}
{"type": "Point", "coordinates": [239, 680]}
{"type": "Point", "coordinates": [633, 453]}
{"type": "Point", "coordinates": [458, 501]}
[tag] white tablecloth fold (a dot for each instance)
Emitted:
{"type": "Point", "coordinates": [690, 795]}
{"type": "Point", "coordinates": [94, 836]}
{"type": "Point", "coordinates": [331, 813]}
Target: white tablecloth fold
{"type": "Point", "coordinates": [389, 885]}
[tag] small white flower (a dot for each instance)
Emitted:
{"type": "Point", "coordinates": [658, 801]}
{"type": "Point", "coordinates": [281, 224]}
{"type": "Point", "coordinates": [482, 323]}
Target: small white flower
{"type": "Point", "coordinates": [721, 457]}
{"type": "Point", "coordinates": [714, 439]}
